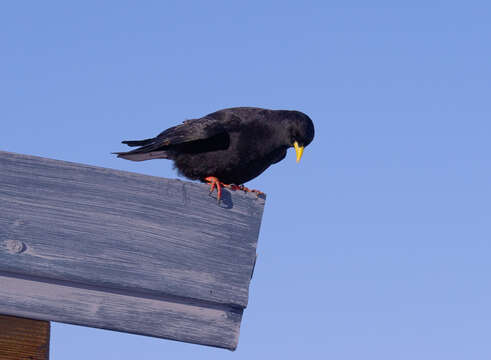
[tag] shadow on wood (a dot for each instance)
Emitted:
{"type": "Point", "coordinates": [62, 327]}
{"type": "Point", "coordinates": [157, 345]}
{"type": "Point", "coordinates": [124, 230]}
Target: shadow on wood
{"type": "Point", "coordinates": [123, 251]}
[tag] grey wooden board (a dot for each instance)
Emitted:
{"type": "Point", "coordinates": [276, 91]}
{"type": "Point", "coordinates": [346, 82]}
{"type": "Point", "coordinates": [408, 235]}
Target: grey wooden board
{"type": "Point", "coordinates": [153, 316]}
{"type": "Point", "coordinates": [144, 236]}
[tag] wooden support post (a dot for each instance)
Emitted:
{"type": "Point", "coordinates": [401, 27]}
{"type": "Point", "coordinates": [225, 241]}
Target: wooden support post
{"type": "Point", "coordinates": [117, 250]}
{"type": "Point", "coordinates": [23, 339]}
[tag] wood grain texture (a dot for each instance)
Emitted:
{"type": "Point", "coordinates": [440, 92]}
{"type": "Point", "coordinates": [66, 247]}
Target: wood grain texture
{"type": "Point", "coordinates": [23, 339]}
{"type": "Point", "coordinates": [159, 316]}
{"type": "Point", "coordinates": [128, 235]}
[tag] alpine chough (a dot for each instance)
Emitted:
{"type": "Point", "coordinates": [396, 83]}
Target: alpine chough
{"type": "Point", "coordinates": [228, 147]}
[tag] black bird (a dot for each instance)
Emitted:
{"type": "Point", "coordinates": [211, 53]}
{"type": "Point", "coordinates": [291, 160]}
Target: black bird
{"type": "Point", "coordinates": [228, 147]}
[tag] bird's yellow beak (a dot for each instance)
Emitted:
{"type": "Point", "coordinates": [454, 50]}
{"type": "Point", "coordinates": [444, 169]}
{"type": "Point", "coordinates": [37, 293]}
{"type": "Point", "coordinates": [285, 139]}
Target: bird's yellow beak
{"type": "Point", "coordinates": [298, 150]}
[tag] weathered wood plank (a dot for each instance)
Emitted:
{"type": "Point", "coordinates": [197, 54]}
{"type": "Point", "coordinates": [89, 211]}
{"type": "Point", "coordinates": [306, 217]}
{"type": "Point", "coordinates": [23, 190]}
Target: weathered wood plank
{"type": "Point", "coordinates": [23, 338]}
{"type": "Point", "coordinates": [117, 229]}
{"type": "Point", "coordinates": [165, 317]}
{"type": "Point", "coordinates": [118, 233]}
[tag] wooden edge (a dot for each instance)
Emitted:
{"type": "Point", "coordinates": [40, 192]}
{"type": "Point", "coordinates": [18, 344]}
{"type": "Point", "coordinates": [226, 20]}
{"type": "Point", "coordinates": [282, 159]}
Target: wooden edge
{"type": "Point", "coordinates": [22, 338]}
{"type": "Point", "coordinates": [184, 320]}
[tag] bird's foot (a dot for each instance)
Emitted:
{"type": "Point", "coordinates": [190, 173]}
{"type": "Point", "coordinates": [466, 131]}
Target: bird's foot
{"type": "Point", "coordinates": [246, 189]}
{"type": "Point", "coordinates": [215, 183]}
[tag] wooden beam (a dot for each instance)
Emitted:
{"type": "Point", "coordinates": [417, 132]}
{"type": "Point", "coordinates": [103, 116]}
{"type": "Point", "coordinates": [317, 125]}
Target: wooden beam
{"type": "Point", "coordinates": [23, 338]}
{"type": "Point", "coordinates": [124, 251]}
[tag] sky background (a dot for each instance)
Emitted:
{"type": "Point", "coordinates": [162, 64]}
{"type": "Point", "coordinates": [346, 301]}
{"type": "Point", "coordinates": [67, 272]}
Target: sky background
{"type": "Point", "coordinates": [377, 245]}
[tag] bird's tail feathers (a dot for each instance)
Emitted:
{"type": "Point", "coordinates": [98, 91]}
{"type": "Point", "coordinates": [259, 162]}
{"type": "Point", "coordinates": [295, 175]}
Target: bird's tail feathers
{"type": "Point", "coordinates": [138, 142]}
{"type": "Point", "coordinates": [141, 156]}
{"type": "Point", "coordinates": [148, 149]}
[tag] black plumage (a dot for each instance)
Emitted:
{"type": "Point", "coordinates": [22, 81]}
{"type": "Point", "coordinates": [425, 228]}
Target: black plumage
{"type": "Point", "coordinates": [234, 145]}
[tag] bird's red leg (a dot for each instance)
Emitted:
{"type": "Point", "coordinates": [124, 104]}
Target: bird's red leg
{"type": "Point", "coordinates": [246, 189]}
{"type": "Point", "coordinates": [214, 182]}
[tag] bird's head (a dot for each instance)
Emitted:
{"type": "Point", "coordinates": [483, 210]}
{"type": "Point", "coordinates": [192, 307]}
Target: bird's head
{"type": "Point", "coordinates": [300, 131]}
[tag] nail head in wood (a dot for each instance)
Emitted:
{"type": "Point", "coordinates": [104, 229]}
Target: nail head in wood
{"type": "Point", "coordinates": [15, 246]}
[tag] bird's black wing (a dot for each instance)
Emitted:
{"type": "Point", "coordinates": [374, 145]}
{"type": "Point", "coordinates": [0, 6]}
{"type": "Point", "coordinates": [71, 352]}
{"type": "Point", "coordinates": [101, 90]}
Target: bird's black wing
{"type": "Point", "coordinates": [188, 132]}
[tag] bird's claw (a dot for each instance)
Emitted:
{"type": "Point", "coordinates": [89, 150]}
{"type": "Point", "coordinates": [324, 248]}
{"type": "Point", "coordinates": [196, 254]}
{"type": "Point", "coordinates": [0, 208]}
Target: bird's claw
{"type": "Point", "coordinates": [246, 189]}
{"type": "Point", "coordinates": [215, 183]}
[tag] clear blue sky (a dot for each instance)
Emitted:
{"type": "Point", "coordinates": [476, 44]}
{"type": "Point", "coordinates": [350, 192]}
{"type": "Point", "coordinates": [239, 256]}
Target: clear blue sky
{"type": "Point", "coordinates": [377, 245]}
